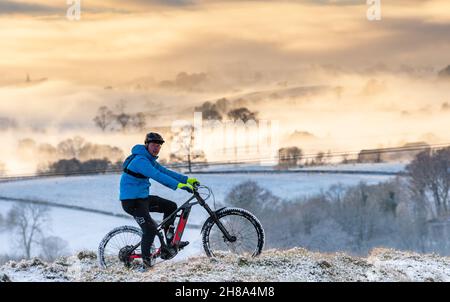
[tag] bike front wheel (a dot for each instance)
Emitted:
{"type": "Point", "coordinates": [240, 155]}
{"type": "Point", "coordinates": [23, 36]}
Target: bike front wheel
{"type": "Point", "coordinates": [241, 224]}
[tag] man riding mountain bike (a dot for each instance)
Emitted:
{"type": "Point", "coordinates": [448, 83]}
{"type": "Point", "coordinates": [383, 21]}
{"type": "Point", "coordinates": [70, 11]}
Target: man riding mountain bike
{"type": "Point", "coordinates": [138, 169]}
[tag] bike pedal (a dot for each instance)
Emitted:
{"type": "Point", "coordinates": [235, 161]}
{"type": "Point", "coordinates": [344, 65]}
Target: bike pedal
{"type": "Point", "coordinates": [183, 244]}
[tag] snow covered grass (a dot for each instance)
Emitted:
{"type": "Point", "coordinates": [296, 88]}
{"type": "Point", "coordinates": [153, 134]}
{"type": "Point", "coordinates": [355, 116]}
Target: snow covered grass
{"type": "Point", "coordinates": [296, 264]}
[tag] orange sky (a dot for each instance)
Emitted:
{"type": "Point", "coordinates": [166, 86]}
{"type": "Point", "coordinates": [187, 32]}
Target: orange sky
{"type": "Point", "coordinates": [387, 69]}
{"type": "Point", "coordinates": [120, 40]}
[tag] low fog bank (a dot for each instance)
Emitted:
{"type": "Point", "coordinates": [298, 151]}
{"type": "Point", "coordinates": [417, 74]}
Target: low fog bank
{"type": "Point", "coordinates": [319, 109]}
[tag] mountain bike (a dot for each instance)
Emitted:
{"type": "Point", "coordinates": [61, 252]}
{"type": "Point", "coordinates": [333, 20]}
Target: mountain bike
{"type": "Point", "coordinates": [226, 230]}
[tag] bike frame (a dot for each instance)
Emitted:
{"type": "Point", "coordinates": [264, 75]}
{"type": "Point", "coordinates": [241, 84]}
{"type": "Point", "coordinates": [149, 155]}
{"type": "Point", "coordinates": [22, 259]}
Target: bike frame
{"type": "Point", "coordinates": [185, 210]}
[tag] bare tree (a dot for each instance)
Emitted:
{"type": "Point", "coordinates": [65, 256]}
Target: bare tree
{"type": "Point", "coordinates": [289, 157]}
{"type": "Point", "coordinates": [27, 220]}
{"type": "Point", "coordinates": [223, 105]}
{"type": "Point", "coordinates": [138, 121]}
{"type": "Point", "coordinates": [209, 111]}
{"type": "Point", "coordinates": [104, 118]}
{"type": "Point", "coordinates": [185, 139]}
{"type": "Point", "coordinates": [411, 221]}
{"type": "Point", "coordinates": [429, 176]}
{"type": "Point", "coordinates": [359, 215]}
{"type": "Point", "coordinates": [266, 206]}
{"type": "Point", "coordinates": [319, 160]}
{"type": "Point", "coordinates": [53, 247]}
{"type": "Point", "coordinates": [243, 114]}
{"type": "Point", "coordinates": [122, 118]}
{"type": "Point", "coordinates": [71, 148]}
{"type": "Point", "coordinates": [249, 195]}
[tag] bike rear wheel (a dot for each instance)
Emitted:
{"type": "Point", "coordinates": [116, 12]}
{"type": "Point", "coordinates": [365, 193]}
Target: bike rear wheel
{"type": "Point", "coordinates": [240, 223]}
{"type": "Point", "coordinates": [113, 250]}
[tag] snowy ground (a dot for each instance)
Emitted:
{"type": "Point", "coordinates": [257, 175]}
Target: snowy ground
{"type": "Point", "coordinates": [290, 265]}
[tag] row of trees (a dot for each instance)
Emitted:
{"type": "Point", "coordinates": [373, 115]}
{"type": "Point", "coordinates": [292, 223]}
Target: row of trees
{"type": "Point", "coordinates": [223, 108]}
{"type": "Point", "coordinates": [76, 147]}
{"type": "Point", "coordinates": [7, 123]}
{"type": "Point", "coordinates": [76, 155]}
{"type": "Point", "coordinates": [73, 148]}
{"type": "Point", "coordinates": [294, 156]}
{"type": "Point", "coordinates": [353, 220]}
{"type": "Point", "coordinates": [28, 223]}
{"type": "Point", "coordinates": [409, 213]}
{"type": "Point", "coordinates": [291, 157]}
{"type": "Point", "coordinates": [186, 81]}
{"type": "Point", "coordinates": [109, 120]}
{"type": "Point", "coordinates": [74, 166]}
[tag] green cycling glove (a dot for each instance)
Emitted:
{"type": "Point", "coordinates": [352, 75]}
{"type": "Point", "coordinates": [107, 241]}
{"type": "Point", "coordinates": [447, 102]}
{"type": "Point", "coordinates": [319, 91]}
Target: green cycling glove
{"type": "Point", "coordinates": [192, 181]}
{"type": "Point", "coordinates": [186, 187]}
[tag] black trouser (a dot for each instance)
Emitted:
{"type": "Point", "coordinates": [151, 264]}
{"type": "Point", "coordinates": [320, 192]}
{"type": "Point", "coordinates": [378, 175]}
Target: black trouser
{"type": "Point", "coordinates": [140, 209]}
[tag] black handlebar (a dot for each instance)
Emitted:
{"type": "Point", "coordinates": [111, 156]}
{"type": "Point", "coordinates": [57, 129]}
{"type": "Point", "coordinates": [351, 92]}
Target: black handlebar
{"type": "Point", "coordinates": [196, 185]}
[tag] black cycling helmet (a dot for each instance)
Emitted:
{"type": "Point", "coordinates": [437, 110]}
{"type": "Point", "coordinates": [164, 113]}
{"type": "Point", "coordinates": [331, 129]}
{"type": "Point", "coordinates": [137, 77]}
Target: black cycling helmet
{"type": "Point", "coordinates": [154, 137]}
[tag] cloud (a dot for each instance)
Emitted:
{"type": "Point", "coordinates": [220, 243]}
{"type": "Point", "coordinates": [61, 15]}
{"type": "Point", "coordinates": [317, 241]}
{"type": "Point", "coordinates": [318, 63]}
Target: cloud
{"type": "Point", "coordinates": [48, 7]}
{"type": "Point", "coordinates": [252, 35]}
{"type": "Point", "coordinates": [11, 7]}
{"type": "Point", "coordinates": [160, 2]}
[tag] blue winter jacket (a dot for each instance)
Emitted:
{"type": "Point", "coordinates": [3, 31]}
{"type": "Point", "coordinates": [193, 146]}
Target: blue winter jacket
{"type": "Point", "coordinates": [144, 163]}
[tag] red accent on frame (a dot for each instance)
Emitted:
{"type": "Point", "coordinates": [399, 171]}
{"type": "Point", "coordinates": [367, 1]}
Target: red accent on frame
{"type": "Point", "coordinates": [180, 229]}
{"type": "Point", "coordinates": [138, 256]}
{"type": "Point", "coordinates": [158, 251]}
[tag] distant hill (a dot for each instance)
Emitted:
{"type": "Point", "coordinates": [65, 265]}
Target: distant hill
{"type": "Point", "coordinates": [445, 73]}
{"type": "Point", "coordinates": [302, 135]}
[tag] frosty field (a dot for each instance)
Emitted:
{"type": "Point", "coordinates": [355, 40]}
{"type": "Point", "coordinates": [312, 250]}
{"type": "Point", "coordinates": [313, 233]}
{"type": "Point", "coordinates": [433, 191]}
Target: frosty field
{"type": "Point", "coordinates": [293, 265]}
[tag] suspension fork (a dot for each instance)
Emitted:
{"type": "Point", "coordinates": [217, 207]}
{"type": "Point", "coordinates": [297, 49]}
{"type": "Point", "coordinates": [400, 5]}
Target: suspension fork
{"type": "Point", "coordinates": [215, 218]}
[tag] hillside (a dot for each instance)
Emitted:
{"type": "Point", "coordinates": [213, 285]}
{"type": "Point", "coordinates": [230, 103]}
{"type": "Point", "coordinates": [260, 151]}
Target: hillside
{"type": "Point", "coordinates": [273, 265]}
